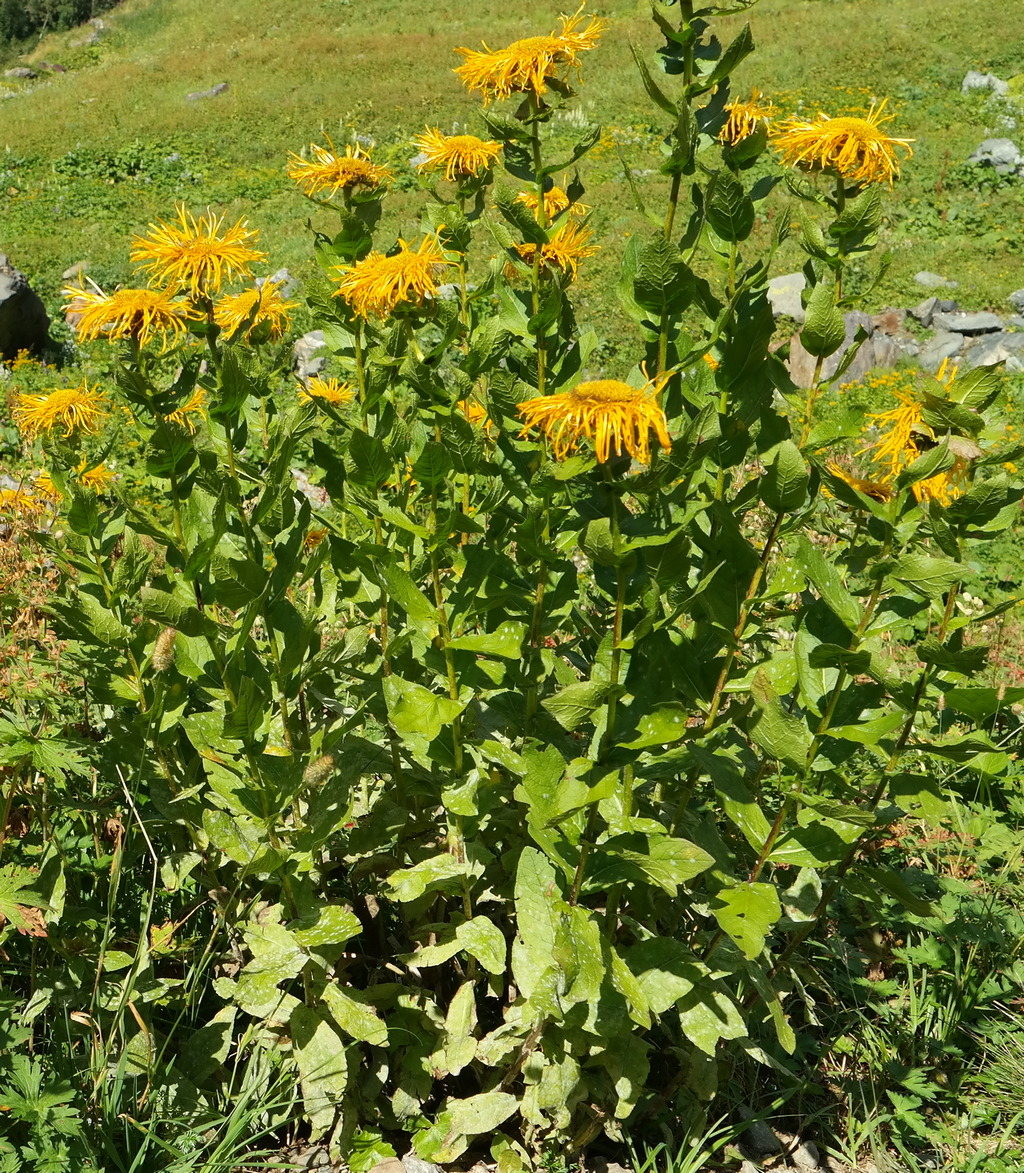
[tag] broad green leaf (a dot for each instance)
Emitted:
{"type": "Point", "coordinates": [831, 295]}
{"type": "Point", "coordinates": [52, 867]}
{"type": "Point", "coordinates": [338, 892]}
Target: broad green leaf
{"type": "Point", "coordinates": [828, 584]}
{"type": "Point", "coordinates": [415, 711]}
{"type": "Point", "coordinates": [784, 484]}
{"type": "Point", "coordinates": [824, 328]}
{"type": "Point", "coordinates": [929, 576]}
{"type": "Point", "coordinates": [747, 912]}
{"type": "Point", "coordinates": [656, 859]}
{"type": "Point", "coordinates": [355, 1016]}
{"type": "Point", "coordinates": [574, 704]}
{"type": "Point", "coordinates": [538, 915]}
{"type": "Point", "coordinates": [459, 1047]}
{"type": "Point", "coordinates": [331, 924]}
{"type": "Point", "coordinates": [322, 1063]}
{"type": "Point", "coordinates": [780, 734]}
{"type": "Point", "coordinates": [429, 875]}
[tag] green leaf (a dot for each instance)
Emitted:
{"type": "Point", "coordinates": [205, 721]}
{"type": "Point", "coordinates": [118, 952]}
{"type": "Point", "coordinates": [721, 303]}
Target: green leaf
{"type": "Point", "coordinates": [459, 1047]}
{"type": "Point", "coordinates": [747, 912]}
{"type": "Point", "coordinates": [784, 484]}
{"type": "Point", "coordinates": [828, 584]}
{"type": "Point", "coordinates": [170, 610]}
{"type": "Point", "coordinates": [656, 859]}
{"type": "Point", "coordinates": [432, 465]}
{"type": "Point", "coordinates": [438, 871]}
{"type": "Point", "coordinates": [330, 924]}
{"type": "Point", "coordinates": [322, 1063]}
{"type": "Point", "coordinates": [928, 464]}
{"type": "Point", "coordinates": [538, 905]}
{"type": "Point", "coordinates": [931, 577]}
{"type": "Point", "coordinates": [574, 704]}
{"type": "Point", "coordinates": [781, 735]}
{"type": "Point", "coordinates": [824, 327]}
{"type": "Point", "coordinates": [730, 211]}
{"type": "Point", "coordinates": [371, 465]}
{"type": "Point", "coordinates": [654, 91]}
{"type": "Point", "coordinates": [415, 711]}
{"type": "Point", "coordinates": [355, 1016]}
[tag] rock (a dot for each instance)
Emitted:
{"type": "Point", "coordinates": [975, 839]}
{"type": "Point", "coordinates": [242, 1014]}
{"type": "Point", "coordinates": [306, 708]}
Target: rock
{"type": "Point", "coordinates": [941, 346]}
{"type": "Point", "coordinates": [984, 81]}
{"type": "Point", "coordinates": [413, 1164]}
{"type": "Point", "coordinates": [52, 67]}
{"type": "Point", "coordinates": [994, 349]}
{"type": "Point", "coordinates": [75, 270]}
{"type": "Point", "coordinates": [889, 321]}
{"type": "Point", "coordinates": [924, 311]}
{"type": "Point", "coordinates": [97, 28]}
{"type": "Point", "coordinates": [934, 281]}
{"type": "Point", "coordinates": [388, 1165]}
{"type": "Point", "coordinates": [758, 1138]}
{"type": "Point", "coordinates": [1016, 322]}
{"type": "Point", "coordinates": [24, 323]}
{"type": "Point", "coordinates": [21, 71]}
{"type": "Point", "coordinates": [960, 323]}
{"type": "Point", "coordinates": [1016, 299]}
{"type": "Point", "coordinates": [806, 1157]}
{"type": "Point", "coordinates": [749, 1167]}
{"type": "Point", "coordinates": [784, 296]}
{"type": "Point", "coordinates": [998, 153]}
{"type": "Point", "coordinates": [304, 351]}
{"type": "Point", "coordinates": [221, 87]}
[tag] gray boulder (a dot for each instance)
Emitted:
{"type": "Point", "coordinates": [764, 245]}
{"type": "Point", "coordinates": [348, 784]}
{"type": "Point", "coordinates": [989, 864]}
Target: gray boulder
{"type": "Point", "coordinates": [784, 296]}
{"type": "Point", "coordinates": [306, 359]}
{"type": "Point", "coordinates": [1016, 299]}
{"type": "Point", "coordinates": [960, 323]}
{"type": "Point", "coordinates": [282, 277]}
{"type": "Point", "coordinates": [984, 81]}
{"type": "Point", "coordinates": [1016, 322]}
{"type": "Point", "coordinates": [1001, 154]}
{"type": "Point", "coordinates": [889, 321]}
{"type": "Point", "coordinates": [943, 345]}
{"type": "Point", "coordinates": [924, 311]}
{"type": "Point", "coordinates": [934, 281]}
{"type": "Point", "coordinates": [21, 72]}
{"type": "Point", "coordinates": [221, 87]}
{"type": "Point", "coordinates": [877, 350]}
{"type": "Point", "coordinates": [994, 349]}
{"type": "Point", "coordinates": [24, 322]}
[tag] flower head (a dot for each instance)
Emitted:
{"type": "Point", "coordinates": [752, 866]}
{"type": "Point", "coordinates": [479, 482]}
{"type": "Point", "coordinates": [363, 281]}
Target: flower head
{"type": "Point", "coordinates": [379, 284]}
{"type": "Point", "coordinates": [477, 415]}
{"type": "Point", "coordinates": [531, 64]}
{"type": "Point", "coordinates": [127, 313]}
{"type": "Point", "coordinates": [855, 149]}
{"type": "Point", "coordinates": [196, 255]}
{"type": "Point", "coordinates": [20, 502]}
{"type": "Point", "coordinates": [330, 172]}
{"type": "Point", "coordinates": [459, 156]}
{"type": "Point", "coordinates": [96, 478]}
{"type": "Point", "coordinates": [192, 409]}
{"type": "Point", "coordinates": [615, 417]}
{"type": "Point", "coordinates": [257, 311]}
{"type": "Point", "coordinates": [746, 118]}
{"type": "Point", "coordinates": [564, 251]}
{"type": "Point", "coordinates": [555, 202]}
{"type": "Point", "coordinates": [876, 490]}
{"type": "Point", "coordinates": [902, 436]}
{"type": "Point", "coordinates": [75, 409]}
{"type": "Point", "coordinates": [329, 390]}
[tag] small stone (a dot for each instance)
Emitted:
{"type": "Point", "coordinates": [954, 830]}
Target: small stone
{"type": "Point", "coordinates": [759, 1139]}
{"type": "Point", "coordinates": [52, 67]}
{"type": "Point", "coordinates": [749, 1167]}
{"type": "Point", "coordinates": [960, 323]}
{"type": "Point", "coordinates": [388, 1165]}
{"type": "Point", "coordinates": [924, 310]}
{"type": "Point", "coordinates": [304, 353]}
{"type": "Point", "coordinates": [413, 1164]}
{"type": "Point", "coordinates": [288, 284]}
{"type": "Point", "coordinates": [1016, 299]}
{"type": "Point", "coordinates": [21, 71]}
{"type": "Point", "coordinates": [984, 81]}
{"type": "Point", "coordinates": [76, 270]}
{"type": "Point", "coordinates": [806, 1157]}
{"type": "Point", "coordinates": [934, 281]}
{"type": "Point", "coordinates": [1001, 154]}
{"type": "Point", "coordinates": [941, 346]}
{"type": "Point", "coordinates": [993, 349]}
{"type": "Point", "coordinates": [221, 87]}
{"type": "Point", "coordinates": [784, 296]}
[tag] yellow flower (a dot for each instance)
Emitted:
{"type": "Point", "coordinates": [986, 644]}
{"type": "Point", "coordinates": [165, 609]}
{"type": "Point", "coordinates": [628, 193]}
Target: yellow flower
{"type": "Point", "coordinates": [876, 490]}
{"type": "Point", "coordinates": [528, 65]}
{"type": "Point", "coordinates": [196, 255]}
{"type": "Point", "coordinates": [615, 417]}
{"type": "Point", "coordinates": [126, 313]}
{"type": "Point", "coordinates": [185, 416]}
{"type": "Point", "coordinates": [746, 118]}
{"type": "Point", "coordinates": [461, 156]}
{"type": "Point", "coordinates": [96, 478]}
{"type": "Point", "coordinates": [19, 503]}
{"type": "Point", "coordinates": [254, 309]}
{"type": "Point", "coordinates": [902, 436]}
{"type": "Point", "coordinates": [379, 284]}
{"type": "Point", "coordinates": [856, 149]}
{"type": "Point", "coordinates": [555, 202]}
{"type": "Point", "coordinates": [477, 415]}
{"type": "Point", "coordinates": [711, 361]}
{"type": "Point", "coordinates": [331, 172]}
{"type": "Point", "coordinates": [566, 248]}
{"type": "Point", "coordinates": [70, 408]}
{"type": "Point", "coordinates": [314, 537]}
{"type": "Point", "coordinates": [329, 390]}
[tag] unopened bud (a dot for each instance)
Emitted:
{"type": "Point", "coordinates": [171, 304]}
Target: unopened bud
{"type": "Point", "coordinates": [163, 653]}
{"type": "Point", "coordinates": [319, 770]}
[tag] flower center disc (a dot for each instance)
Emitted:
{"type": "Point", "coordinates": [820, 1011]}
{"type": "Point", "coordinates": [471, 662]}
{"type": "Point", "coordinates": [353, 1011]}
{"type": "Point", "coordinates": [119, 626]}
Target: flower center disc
{"type": "Point", "coordinates": [606, 391]}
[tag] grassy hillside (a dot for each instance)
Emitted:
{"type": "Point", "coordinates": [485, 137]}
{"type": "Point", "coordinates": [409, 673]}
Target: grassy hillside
{"type": "Point", "coordinates": [95, 152]}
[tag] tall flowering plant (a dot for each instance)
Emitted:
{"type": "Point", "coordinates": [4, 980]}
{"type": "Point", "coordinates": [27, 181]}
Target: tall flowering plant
{"type": "Point", "coordinates": [512, 722]}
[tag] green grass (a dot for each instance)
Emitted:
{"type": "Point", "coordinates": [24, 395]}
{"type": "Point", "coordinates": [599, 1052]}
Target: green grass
{"type": "Point", "coordinates": [301, 68]}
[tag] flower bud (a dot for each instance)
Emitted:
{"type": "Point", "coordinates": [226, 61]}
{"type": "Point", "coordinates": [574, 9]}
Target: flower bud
{"type": "Point", "coordinates": [163, 653]}
{"type": "Point", "coordinates": [319, 770]}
